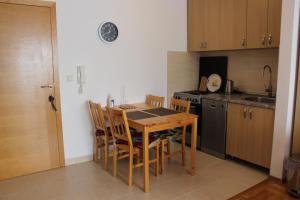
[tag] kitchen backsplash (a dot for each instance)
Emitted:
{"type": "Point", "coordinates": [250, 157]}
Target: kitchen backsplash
{"type": "Point", "coordinates": [245, 68]}
{"type": "Point", "coordinates": [183, 72]}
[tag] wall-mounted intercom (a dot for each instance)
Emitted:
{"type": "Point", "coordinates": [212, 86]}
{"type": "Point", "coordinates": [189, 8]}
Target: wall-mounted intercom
{"type": "Point", "coordinates": [81, 79]}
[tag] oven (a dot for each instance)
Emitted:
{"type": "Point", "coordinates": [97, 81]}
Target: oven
{"type": "Point", "coordinates": [196, 109]}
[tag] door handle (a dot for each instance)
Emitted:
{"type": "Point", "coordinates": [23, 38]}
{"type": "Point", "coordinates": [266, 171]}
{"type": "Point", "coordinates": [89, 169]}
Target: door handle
{"type": "Point", "coordinates": [245, 112]}
{"type": "Point", "coordinates": [50, 86]}
{"type": "Point", "coordinates": [250, 114]}
{"type": "Point", "coordinates": [51, 99]}
{"type": "Point", "coordinates": [213, 106]}
{"type": "Point", "coordinates": [270, 40]}
{"type": "Point", "coordinates": [243, 43]}
{"type": "Point", "coordinates": [263, 40]}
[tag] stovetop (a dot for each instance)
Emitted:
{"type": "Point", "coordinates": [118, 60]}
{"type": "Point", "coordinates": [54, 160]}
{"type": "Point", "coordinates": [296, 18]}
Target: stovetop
{"type": "Point", "coordinates": [195, 92]}
{"type": "Point", "coordinates": [193, 96]}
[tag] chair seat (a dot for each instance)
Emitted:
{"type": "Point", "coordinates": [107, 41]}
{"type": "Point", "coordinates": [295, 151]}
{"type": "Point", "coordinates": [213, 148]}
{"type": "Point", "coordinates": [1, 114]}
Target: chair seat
{"type": "Point", "coordinates": [172, 134]}
{"type": "Point", "coordinates": [137, 139]}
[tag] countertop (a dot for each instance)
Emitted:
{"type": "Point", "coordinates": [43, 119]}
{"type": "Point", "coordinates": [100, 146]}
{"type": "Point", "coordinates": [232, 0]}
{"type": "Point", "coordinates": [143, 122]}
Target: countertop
{"type": "Point", "coordinates": [239, 99]}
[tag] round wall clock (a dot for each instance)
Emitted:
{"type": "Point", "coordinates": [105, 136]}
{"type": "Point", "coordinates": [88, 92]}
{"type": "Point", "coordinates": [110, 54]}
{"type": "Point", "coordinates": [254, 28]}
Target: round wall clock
{"type": "Point", "coordinates": [108, 32]}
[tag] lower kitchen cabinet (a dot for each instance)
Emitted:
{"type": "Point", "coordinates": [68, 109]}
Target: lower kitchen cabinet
{"type": "Point", "coordinates": [250, 133]}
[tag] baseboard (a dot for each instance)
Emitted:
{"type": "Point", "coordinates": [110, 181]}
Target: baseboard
{"type": "Point", "coordinates": [77, 160]}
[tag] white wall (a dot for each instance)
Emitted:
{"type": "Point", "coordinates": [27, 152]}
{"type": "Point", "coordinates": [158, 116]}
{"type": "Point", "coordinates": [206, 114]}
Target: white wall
{"type": "Point", "coordinates": [136, 63]}
{"type": "Point", "coordinates": [286, 85]}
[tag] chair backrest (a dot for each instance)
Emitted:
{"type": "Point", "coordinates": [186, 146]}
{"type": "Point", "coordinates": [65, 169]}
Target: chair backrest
{"type": "Point", "coordinates": [97, 117]}
{"type": "Point", "coordinates": [119, 125]}
{"type": "Point", "coordinates": [180, 105]}
{"type": "Point", "coordinates": [155, 101]}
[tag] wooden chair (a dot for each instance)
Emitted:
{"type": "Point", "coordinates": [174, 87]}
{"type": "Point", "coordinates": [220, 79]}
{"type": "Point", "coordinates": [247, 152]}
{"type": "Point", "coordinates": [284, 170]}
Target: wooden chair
{"type": "Point", "coordinates": [155, 101]}
{"type": "Point", "coordinates": [129, 145]}
{"type": "Point", "coordinates": [102, 137]}
{"type": "Point", "coordinates": [181, 106]}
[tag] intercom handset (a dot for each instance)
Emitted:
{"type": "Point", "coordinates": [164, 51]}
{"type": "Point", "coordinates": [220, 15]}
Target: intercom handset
{"type": "Point", "coordinates": [81, 79]}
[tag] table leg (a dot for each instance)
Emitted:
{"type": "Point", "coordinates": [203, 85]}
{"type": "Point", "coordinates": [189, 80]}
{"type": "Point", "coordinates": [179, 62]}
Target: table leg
{"type": "Point", "coordinates": [146, 159]}
{"type": "Point", "coordinates": [193, 147]}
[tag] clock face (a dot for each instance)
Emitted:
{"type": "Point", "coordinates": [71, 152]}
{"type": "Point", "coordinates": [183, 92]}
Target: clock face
{"type": "Point", "coordinates": [108, 32]}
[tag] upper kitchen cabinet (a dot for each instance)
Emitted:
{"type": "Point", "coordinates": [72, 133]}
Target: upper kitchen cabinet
{"type": "Point", "coordinates": [211, 24]}
{"type": "Point", "coordinates": [263, 23]}
{"type": "Point", "coordinates": [274, 22]}
{"type": "Point", "coordinates": [233, 24]}
{"type": "Point", "coordinates": [196, 25]}
{"type": "Point", "coordinates": [203, 25]}
{"type": "Point", "coordinates": [257, 23]}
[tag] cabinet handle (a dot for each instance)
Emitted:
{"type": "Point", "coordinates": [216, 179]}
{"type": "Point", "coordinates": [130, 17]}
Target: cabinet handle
{"type": "Point", "coordinates": [263, 40]}
{"type": "Point", "coordinates": [205, 44]}
{"type": "Point", "coordinates": [243, 42]}
{"type": "Point", "coordinates": [270, 39]}
{"type": "Point", "coordinates": [250, 113]}
{"type": "Point", "coordinates": [245, 112]}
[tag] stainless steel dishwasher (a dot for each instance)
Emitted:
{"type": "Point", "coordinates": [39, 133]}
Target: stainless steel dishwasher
{"type": "Point", "coordinates": [213, 134]}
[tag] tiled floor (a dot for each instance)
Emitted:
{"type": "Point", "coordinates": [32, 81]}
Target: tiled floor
{"type": "Point", "coordinates": [215, 179]}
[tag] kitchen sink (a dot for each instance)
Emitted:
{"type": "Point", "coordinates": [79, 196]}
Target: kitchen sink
{"type": "Point", "coordinates": [261, 99]}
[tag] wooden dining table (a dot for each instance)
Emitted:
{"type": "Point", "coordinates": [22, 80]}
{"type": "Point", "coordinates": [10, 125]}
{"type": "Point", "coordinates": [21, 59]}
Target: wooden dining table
{"type": "Point", "coordinates": [146, 119]}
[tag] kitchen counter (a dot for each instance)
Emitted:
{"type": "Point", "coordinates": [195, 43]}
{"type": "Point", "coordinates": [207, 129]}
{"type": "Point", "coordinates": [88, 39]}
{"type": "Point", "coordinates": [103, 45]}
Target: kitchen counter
{"type": "Point", "coordinates": [239, 99]}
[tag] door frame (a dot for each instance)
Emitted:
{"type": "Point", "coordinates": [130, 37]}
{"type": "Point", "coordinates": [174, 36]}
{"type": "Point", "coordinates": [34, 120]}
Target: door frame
{"type": "Point", "coordinates": [52, 6]}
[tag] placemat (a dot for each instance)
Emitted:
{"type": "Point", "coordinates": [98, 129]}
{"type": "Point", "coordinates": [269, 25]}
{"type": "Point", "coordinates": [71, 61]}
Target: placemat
{"type": "Point", "coordinates": [136, 115]}
{"type": "Point", "coordinates": [161, 111]}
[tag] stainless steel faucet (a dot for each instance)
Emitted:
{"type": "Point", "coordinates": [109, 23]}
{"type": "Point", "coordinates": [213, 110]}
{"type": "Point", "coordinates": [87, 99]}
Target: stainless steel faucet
{"type": "Point", "coordinates": [268, 88]}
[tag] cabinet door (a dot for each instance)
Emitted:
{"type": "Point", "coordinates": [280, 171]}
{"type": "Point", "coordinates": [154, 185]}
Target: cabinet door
{"type": "Point", "coordinates": [236, 131]}
{"type": "Point", "coordinates": [196, 25]}
{"type": "Point", "coordinates": [257, 23]}
{"type": "Point", "coordinates": [212, 24]}
{"type": "Point", "coordinates": [260, 136]}
{"type": "Point", "coordinates": [274, 22]}
{"type": "Point", "coordinates": [233, 22]}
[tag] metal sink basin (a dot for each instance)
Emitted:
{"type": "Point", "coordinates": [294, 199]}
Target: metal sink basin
{"type": "Point", "coordinates": [261, 99]}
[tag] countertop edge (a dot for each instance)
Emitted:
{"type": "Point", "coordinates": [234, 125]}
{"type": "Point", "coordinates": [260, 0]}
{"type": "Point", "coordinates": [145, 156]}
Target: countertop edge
{"type": "Point", "coordinates": [239, 100]}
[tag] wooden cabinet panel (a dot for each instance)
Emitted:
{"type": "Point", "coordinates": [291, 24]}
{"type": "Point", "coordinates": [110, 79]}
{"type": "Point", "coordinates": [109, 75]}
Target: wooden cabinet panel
{"type": "Point", "coordinates": [212, 24]}
{"type": "Point", "coordinates": [196, 25]}
{"type": "Point", "coordinates": [233, 24]}
{"type": "Point", "coordinates": [236, 131]}
{"type": "Point", "coordinates": [257, 23]}
{"type": "Point", "coordinates": [260, 125]}
{"type": "Point", "coordinates": [233, 21]}
{"type": "Point", "coordinates": [250, 133]}
{"type": "Point", "coordinates": [274, 22]}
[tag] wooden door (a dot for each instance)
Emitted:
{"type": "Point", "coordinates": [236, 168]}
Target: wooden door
{"type": "Point", "coordinates": [28, 125]}
{"type": "Point", "coordinates": [233, 20]}
{"type": "Point", "coordinates": [257, 23]}
{"type": "Point", "coordinates": [274, 22]}
{"type": "Point", "coordinates": [260, 136]}
{"type": "Point", "coordinates": [236, 130]}
{"type": "Point", "coordinates": [196, 25]}
{"type": "Point", "coordinates": [212, 25]}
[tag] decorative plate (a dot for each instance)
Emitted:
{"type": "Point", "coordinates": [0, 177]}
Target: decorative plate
{"type": "Point", "coordinates": [214, 82]}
